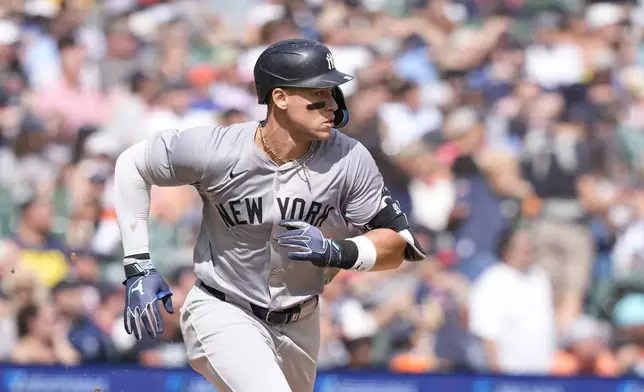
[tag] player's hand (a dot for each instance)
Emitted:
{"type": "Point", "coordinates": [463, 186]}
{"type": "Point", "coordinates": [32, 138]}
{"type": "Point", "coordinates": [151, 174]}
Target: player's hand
{"type": "Point", "coordinates": [309, 240]}
{"type": "Point", "coordinates": [142, 294]}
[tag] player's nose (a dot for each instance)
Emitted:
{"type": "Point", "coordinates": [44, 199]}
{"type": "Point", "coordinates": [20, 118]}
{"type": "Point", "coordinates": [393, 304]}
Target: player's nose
{"type": "Point", "coordinates": [331, 105]}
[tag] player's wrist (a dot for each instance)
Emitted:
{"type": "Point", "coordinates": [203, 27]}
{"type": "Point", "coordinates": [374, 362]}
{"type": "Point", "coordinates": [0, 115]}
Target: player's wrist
{"type": "Point", "coordinates": [357, 253]}
{"type": "Point", "coordinates": [367, 253]}
{"type": "Point", "coordinates": [137, 265]}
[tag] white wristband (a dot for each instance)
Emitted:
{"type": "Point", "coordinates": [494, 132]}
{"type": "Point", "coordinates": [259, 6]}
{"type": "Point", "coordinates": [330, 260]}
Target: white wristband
{"type": "Point", "coordinates": [367, 253]}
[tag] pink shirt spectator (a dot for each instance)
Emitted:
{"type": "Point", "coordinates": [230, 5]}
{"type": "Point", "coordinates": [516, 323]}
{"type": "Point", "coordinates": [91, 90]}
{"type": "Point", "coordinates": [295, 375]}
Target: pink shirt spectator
{"type": "Point", "coordinates": [76, 106]}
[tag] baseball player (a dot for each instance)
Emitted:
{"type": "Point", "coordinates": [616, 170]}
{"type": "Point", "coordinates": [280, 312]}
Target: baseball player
{"type": "Point", "coordinates": [287, 202]}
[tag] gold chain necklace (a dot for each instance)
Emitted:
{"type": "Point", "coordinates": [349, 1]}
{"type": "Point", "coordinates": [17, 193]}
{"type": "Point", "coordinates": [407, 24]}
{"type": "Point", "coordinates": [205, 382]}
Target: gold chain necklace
{"type": "Point", "coordinates": [280, 160]}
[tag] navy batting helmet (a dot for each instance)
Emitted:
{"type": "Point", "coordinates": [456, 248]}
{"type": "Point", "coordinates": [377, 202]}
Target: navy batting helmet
{"type": "Point", "coordinates": [300, 63]}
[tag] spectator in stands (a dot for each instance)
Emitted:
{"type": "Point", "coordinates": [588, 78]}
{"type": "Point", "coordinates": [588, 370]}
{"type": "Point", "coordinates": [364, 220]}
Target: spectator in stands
{"type": "Point", "coordinates": [551, 62]}
{"type": "Point", "coordinates": [477, 219]}
{"type": "Point", "coordinates": [125, 123]}
{"type": "Point", "coordinates": [43, 338]}
{"type": "Point", "coordinates": [72, 101]}
{"type": "Point", "coordinates": [586, 351]}
{"type": "Point", "coordinates": [172, 110]}
{"type": "Point", "coordinates": [120, 60]}
{"type": "Point", "coordinates": [405, 120]}
{"type": "Point", "coordinates": [511, 309]}
{"type": "Point", "coordinates": [92, 344]}
{"type": "Point", "coordinates": [442, 333]}
{"type": "Point", "coordinates": [40, 252]}
{"type": "Point", "coordinates": [556, 163]}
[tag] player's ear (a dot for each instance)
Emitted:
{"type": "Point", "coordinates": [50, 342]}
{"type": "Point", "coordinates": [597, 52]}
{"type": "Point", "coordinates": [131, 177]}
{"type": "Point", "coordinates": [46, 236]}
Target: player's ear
{"type": "Point", "coordinates": [280, 98]}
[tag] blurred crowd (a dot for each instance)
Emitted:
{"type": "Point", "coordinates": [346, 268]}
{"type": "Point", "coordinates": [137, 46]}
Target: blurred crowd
{"type": "Point", "coordinates": [511, 132]}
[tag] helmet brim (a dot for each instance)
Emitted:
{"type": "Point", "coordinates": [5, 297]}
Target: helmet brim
{"type": "Point", "coordinates": [330, 79]}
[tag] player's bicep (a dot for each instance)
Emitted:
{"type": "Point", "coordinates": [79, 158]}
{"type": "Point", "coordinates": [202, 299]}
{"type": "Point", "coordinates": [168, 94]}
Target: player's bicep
{"type": "Point", "coordinates": [366, 186]}
{"type": "Point", "coordinates": [178, 157]}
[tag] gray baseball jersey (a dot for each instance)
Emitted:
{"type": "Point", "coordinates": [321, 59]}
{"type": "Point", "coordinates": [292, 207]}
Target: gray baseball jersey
{"type": "Point", "coordinates": [245, 195]}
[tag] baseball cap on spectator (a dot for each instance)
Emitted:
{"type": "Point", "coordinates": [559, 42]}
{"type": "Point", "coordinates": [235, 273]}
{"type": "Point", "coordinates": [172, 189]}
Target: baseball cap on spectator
{"type": "Point", "coordinates": [629, 311]}
{"type": "Point", "coordinates": [9, 32]}
{"type": "Point", "coordinates": [604, 14]}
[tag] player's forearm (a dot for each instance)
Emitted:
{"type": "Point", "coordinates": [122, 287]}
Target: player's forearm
{"type": "Point", "coordinates": [377, 250]}
{"type": "Point", "coordinates": [390, 249]}
{"type": "Point", "coordinates": [132, 200]}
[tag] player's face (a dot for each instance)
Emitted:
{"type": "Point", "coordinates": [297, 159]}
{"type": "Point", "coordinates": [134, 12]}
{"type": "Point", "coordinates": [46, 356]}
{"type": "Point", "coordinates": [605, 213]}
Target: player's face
{"type": "Point", "coordinates": [311, 111]}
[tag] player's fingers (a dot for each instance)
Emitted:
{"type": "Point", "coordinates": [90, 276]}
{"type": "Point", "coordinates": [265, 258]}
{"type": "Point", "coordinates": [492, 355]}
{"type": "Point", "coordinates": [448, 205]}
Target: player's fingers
{"type": "Point", "coordinates": [300, 256]}
{"type": "Point", "coordinates": [295, 234]}
{"type": "Point", "coordinates": [292, 243]}
{"type": "Point", "coordinates": [293, 224]}
{"type": "Point", "coordinates": [157, 320]}
{"type": "Point", "coordinates": [147, 320]}
{"type": "Point", "coordinates": [166, 298]}
{"type": "Point", "coordinates": [127, 320]}
{"type": "Point", "coordinates": [136, 328]}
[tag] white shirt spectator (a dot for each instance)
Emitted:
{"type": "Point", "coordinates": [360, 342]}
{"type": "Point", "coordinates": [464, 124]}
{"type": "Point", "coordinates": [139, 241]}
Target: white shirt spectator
{"type": "Point", "coordinates": [405, 127]}
{"type": "Point", "coordinates": [560, 65]}
{"type": "Point", "coordinates": [432, 203]}
{"type": "Point", "coordinates": [515, 310]}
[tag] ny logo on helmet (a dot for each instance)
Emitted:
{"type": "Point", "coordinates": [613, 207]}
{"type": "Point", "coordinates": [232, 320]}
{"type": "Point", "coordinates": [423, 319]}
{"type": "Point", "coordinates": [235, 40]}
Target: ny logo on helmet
{"type": "Point", "coordinates": [330, 61]}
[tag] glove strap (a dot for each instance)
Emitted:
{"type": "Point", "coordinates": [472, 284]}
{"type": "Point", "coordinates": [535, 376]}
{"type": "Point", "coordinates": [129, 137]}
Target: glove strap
{"type": "Point", "coordinates": [137, 265]}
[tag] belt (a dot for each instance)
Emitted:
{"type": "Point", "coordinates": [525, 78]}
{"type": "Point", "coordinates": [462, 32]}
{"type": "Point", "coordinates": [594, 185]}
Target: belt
{"type": "Point", "coordinates": [277, 317]}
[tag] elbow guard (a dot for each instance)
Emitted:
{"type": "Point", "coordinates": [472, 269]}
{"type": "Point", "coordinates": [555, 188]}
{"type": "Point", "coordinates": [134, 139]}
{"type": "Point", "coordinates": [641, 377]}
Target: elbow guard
{"type": "Point", "coordinates": [391, 217]}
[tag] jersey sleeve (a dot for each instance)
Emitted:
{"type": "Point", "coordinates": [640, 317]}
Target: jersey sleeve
{"type": "Point", "coordinates": [366, 187]}
{"type": "Point", "coordinates": [169, 158]}
{"type": "Point", "coordinates": [179, 157]}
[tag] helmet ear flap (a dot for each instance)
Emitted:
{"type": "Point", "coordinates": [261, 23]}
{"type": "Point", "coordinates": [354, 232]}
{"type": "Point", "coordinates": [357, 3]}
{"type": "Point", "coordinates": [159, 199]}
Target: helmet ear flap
{"type": "Point", "coordinates": [341, 114]}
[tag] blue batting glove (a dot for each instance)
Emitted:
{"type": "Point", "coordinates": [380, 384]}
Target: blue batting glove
{"type": "Point", "coordinates": [310, 241]}
{"type": "Point", "coordinates": [141, 303]}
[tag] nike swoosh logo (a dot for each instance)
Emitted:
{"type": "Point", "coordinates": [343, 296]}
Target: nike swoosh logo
{"type": "Point", "coordinates": [233, 175]}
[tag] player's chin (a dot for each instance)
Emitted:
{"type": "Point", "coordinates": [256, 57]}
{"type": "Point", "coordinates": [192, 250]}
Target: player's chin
{"type": "Point", "coordinates": [323, 132]}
